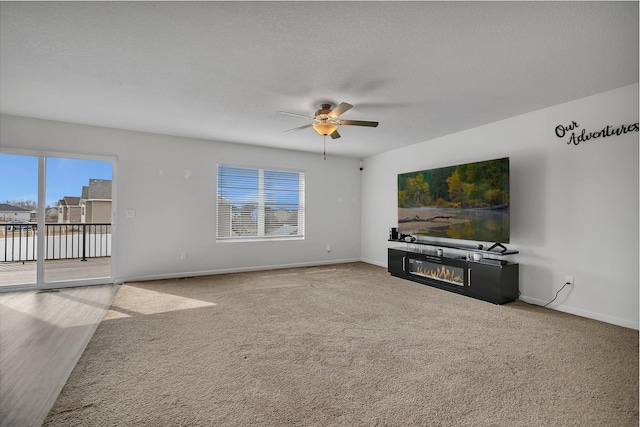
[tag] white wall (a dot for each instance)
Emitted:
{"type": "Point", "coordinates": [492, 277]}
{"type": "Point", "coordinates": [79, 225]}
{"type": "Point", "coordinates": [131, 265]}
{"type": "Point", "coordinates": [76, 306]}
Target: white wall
{"type": "Point", "coordinates": [171, 184]}
{"type": "Point", "coordinates": [574, 209]}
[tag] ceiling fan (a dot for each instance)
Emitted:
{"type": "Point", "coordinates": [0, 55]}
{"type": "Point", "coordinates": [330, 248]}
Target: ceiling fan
{"type": "Point", "coordinates": [327, 120]}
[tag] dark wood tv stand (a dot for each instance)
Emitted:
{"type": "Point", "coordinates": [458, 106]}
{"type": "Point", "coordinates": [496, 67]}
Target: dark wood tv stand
{"type": "Point", "coordinates": [491, 279]}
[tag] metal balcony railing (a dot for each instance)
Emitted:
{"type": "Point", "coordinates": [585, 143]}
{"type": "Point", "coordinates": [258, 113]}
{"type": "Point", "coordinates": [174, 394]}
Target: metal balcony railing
{"type": "Point", "coordinates": [19, 242]}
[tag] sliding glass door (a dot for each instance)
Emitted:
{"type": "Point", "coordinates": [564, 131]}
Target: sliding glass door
{"type": "Point", "coordinates": [77, 237]}
{"type": "Point", "coordinates": [65, 235]}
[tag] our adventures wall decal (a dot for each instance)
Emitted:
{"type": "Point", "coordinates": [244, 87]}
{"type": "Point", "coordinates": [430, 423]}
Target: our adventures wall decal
{"type": "Point", "coordinates": [576, 137]}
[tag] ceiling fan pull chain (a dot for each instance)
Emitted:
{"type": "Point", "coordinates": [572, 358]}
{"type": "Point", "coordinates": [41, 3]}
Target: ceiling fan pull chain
{"type": "Point", "coordinates": [324, 139]}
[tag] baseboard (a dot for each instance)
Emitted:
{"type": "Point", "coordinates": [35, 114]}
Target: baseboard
{"type": "Point", "coordinates": [582, 313]}
{"type": "Point", "coordinates": [232, 270]}
{"type": "Point", "coordinates": [372, 262]}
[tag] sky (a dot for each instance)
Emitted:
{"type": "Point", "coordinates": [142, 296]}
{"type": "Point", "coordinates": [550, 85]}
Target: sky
{"type": "Point", "coordinates": [65, 177]}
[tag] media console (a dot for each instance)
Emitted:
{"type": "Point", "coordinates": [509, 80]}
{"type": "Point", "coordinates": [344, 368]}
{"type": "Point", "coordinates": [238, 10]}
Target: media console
{"type": "Point", "coordinates": [490, 279]}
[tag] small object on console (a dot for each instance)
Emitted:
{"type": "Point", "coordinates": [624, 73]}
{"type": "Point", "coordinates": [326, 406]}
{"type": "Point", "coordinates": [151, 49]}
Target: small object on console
{"type": "Point", "coordinates": [393, 233]}
{"type": "Point", "coordinates": [496, 245]}
{"type": "Point", "coordinates": [407, 237]}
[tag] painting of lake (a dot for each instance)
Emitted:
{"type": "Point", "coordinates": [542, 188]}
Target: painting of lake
{"type": "Point", "coordinates": [468, 202]}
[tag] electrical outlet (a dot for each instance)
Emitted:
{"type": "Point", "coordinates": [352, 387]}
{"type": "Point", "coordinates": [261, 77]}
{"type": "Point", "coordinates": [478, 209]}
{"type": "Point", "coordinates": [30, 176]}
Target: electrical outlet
{"type": "Point", "coordinates": [183, 255]}
{"type": "Point", "coordinates": [328, 248]}
{"type": "Point", "coordinates": [568, 279]}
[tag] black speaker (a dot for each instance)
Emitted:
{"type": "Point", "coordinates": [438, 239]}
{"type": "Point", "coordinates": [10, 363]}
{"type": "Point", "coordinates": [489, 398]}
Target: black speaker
{"type": "Point", "coordinates": [393, 233]}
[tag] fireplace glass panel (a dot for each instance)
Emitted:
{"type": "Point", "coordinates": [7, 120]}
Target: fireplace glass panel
{"type": "Point", "coordinates": [436, 271]}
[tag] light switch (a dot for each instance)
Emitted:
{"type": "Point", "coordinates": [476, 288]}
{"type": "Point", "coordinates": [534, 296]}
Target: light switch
{"type": "Point", "coordinates": [131, 213]}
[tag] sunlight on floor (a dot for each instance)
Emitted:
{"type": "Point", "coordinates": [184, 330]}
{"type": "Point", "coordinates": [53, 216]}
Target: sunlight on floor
{"type": "Point", "coordinates": [132, 300]}
{"type": "Point", "coordinates": [45, 306]}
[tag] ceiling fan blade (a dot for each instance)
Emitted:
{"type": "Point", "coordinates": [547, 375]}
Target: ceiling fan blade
{"type": "Point", "coordinates": [296, 115]}
{"type": "Point", "coordinates": [358, 123]}
{"type": "Point", "coordinates": [335, 134]}
{"type": "Point", "coordinates": [340, 109]}
{"type": "Point", "coordinates": [298, 128]}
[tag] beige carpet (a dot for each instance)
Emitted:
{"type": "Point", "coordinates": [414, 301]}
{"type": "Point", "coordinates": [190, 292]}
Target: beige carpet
{"type": "Point", "coordinates": [344, 345]}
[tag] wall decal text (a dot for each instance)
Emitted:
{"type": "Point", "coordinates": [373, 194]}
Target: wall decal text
{"type": "Point", "coordinates": [576, 137]}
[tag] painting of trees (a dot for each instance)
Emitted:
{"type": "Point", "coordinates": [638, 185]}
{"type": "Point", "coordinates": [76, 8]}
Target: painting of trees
{"type": "Point", "coordinates": [472, 185]}
{"type": "Point", "coordinates": [415, 191]}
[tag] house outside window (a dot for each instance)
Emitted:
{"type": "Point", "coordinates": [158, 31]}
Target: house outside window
{"type": "Point", "coordinates": [259, 204]}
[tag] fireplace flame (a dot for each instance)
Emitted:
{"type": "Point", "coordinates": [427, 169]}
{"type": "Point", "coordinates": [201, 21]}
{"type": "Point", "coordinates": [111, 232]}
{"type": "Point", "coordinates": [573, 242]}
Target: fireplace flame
{"type": "Point", "coordinates": [441, 273]}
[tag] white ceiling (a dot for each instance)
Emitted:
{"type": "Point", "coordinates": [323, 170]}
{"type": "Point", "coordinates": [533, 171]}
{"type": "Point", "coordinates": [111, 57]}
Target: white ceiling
{"type": "Point", "coordinates": [223, 70]}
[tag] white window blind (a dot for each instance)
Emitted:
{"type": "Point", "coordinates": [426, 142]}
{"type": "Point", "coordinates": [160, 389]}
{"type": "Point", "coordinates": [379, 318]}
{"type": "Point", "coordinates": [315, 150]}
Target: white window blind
{"type": "Point", "coordinates": [259, 203]}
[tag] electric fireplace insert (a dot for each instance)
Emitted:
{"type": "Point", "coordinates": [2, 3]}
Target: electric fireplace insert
{"type": "Point", "coordinates": [437, 271]}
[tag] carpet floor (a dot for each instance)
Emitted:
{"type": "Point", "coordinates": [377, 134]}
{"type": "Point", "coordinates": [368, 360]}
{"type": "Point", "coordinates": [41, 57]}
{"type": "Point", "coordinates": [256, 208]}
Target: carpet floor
{"type": "Point", "coordinates": [344, 345]}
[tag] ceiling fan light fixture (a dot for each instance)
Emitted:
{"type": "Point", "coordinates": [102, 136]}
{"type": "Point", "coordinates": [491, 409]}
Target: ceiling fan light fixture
{"type": "Point", "coordinates": [328, 120]}
{"type": "Point", "coordinates": [325, 128]}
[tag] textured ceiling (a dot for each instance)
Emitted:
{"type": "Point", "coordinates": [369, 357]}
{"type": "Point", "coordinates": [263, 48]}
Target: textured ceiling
{"type": "Point", "coordinates": [222, 70]}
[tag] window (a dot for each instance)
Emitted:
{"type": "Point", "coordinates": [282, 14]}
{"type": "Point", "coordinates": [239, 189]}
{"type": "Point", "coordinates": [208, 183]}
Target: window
{"type": "Point", "coordinates": [259, 204]}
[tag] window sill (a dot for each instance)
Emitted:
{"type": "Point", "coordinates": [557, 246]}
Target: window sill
{"type": "Point", "coordinates": [258, 239]}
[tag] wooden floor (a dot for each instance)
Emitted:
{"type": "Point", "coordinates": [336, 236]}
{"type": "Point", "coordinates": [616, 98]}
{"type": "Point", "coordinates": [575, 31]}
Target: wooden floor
{"type": "Point", "coordinates": [42, 335]}
{"type": "Point", "coordinates": [17, 273]}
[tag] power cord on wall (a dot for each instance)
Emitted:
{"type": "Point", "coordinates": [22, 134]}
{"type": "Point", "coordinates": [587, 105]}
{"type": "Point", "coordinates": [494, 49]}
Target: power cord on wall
{"type": "Point", "coordinates": [559, 290]}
